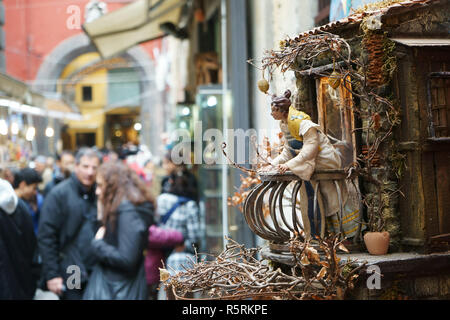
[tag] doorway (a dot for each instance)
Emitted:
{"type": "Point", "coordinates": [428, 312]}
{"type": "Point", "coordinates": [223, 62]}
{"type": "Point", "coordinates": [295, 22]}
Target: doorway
{"type": "Point", "coordinates": [433, 66]}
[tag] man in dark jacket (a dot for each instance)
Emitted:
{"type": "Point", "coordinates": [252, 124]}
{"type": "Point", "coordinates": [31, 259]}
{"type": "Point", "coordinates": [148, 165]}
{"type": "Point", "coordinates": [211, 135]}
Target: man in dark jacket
{"type": "Point", "coordinates": [65, 164]}
{"type": "Point", "coordinates": [26, 187]}
{"type": "Point", "coordinates": [18, 272]}
{"type": "Point", "coordinates": [67, 226]}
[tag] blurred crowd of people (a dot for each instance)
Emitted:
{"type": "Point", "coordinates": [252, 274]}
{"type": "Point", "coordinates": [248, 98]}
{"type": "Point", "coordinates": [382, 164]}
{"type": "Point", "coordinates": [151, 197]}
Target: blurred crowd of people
{"type": "Point", "coordinates": [95, 225]}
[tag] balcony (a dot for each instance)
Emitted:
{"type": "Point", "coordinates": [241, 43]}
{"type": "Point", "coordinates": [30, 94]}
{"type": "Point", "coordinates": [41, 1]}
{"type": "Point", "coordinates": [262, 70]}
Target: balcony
{"type": "Point", "coordinates": [417, 275]}
{"type": "Point", "coordinates": [274, 194]}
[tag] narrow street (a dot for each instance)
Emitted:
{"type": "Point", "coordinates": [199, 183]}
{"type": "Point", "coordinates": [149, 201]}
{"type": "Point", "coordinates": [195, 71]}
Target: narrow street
{"type": "Point", "coordinates": [224, 150]}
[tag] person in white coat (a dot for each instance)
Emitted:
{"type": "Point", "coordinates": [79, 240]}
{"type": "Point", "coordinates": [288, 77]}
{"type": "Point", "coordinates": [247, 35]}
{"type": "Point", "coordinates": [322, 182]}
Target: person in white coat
{"type": "Point", "coordinates": [308, 149]}
{"type": "Point", "coordinates": [18, 269]}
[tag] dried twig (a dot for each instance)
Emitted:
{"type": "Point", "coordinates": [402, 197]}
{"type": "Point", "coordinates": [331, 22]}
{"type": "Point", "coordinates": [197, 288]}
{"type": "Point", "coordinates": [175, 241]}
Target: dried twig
{"type": "Point", "coordinates": [237, 274]}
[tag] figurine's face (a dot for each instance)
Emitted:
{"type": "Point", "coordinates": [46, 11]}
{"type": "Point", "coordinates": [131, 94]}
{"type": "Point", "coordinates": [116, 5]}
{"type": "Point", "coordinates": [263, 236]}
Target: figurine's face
{"type": "Point", "coordinates": [277, 114]}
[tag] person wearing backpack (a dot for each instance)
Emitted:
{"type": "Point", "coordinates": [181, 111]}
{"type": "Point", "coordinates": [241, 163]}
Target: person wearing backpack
{"type": "Point", "coordinates": [177, 211]}
{"type": "Point", "coordinates": [177, 231]}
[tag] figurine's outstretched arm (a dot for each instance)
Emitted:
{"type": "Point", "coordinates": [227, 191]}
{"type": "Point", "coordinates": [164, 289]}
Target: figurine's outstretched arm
{"type": "Point", "coordinates": [304, 163]}
{"type": "Point", "coordinates": [283, 157]}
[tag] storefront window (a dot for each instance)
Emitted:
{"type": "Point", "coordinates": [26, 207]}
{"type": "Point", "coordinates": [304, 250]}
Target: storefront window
{"type": "Point", "coordinates": [209, 102]}
{"type": "Point", "coordinates": [123, 88]}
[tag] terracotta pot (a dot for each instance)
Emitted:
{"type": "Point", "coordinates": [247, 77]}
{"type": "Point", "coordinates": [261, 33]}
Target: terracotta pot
{"type": "Point", "coordinates": [377, 243]}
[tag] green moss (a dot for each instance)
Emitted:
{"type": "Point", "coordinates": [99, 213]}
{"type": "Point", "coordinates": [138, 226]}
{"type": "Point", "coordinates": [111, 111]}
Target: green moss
{"type": "Point", "coordinates": [390, 61]}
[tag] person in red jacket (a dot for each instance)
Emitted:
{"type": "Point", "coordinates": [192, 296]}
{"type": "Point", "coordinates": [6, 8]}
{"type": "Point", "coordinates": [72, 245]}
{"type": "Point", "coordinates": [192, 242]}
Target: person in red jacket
{"type": "Point", "coordinates": [159, 240]}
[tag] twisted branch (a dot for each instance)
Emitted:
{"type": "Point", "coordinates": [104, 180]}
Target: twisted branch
{"type": "Point", "coordinates": [237, 274]}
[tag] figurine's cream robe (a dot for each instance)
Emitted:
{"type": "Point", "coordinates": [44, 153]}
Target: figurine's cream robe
{"type": "Point", "coordinates": [317, 153]}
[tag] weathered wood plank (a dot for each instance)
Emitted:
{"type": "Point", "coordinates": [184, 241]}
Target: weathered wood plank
{"type": "Point", "coordinates": [411, 205]}
{"type": "Point", "coordinates": [428, 173]}
{"type": "Point", "coordinates": [416, 267]}
{"type": "Point", "coordinates": [407, 204]}
{"type": "Point", "coordinates": [440, 245]}
{"type": "Point", "coordinates": [392, 266]}
{"type": "Point", "coordinates": [436, 145]}
{"type": "Point", "coordinates": [429, 183]}
{"type": "Point", "coordinates": [447, 98]}
{"type": "Point", "coordinates": [442, 160]}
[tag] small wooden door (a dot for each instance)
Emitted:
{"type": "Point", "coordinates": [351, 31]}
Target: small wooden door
{"type": "Point", "coordinates": [433, 70]}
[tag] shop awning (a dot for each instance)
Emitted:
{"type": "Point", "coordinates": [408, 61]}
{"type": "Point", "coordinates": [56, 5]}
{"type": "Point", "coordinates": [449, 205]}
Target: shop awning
{"type": "Point", "coordinates": [60, 110]}
{"type": "Point", "coordinates": [135, 23]}
{"type": "Point", "coordinates": [18, 97]}
{"type": "Point", "coordinates": [57, 109]}
{"type": "Point", "coordinates": [19, 90]}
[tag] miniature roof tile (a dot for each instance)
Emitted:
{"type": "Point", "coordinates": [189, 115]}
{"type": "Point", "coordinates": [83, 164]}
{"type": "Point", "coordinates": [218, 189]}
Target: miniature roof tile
{"type": "Point", "coordinates": [358, 16]}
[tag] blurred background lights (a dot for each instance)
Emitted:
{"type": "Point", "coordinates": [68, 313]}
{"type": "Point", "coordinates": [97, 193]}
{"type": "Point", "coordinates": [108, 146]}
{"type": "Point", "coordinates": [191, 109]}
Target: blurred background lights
{"type": "Point", "coordinates": [14, 128]}
{"type": "Point", "coordinates": [49, 132]}
{"type": "Point", "coordinates": [212, 101]}
{"type": "Point", "coordinates": [3, 127]}
{"type": "Point", "coordinates": [186, 111]}
{"type": "Point", "coordinates": [31, 131]}
{"type": "Point", "coordinates": [137, 126]}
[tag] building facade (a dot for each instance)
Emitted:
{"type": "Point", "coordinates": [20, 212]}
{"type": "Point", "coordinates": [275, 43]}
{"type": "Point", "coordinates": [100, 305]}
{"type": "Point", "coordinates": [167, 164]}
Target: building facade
{"type": "Point", "coordinates": [45, 40]}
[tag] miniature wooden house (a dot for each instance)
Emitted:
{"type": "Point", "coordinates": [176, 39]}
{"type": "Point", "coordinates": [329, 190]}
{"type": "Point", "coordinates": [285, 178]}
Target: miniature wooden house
{"type": "Point", "coordinates": [400, 61]}
{"type": "Point", "coordinates": [412, 39]}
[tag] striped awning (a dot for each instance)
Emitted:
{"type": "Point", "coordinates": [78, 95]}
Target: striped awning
{"type": "Point", "coordinates": [135, 23]}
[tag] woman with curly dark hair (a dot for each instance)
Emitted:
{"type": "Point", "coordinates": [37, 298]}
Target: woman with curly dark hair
{"type": "Point", "coordinates": [127, 208]}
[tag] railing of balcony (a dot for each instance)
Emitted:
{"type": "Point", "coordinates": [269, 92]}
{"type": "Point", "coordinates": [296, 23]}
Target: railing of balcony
{"type": "Point", "coordinates": [281, 191]}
